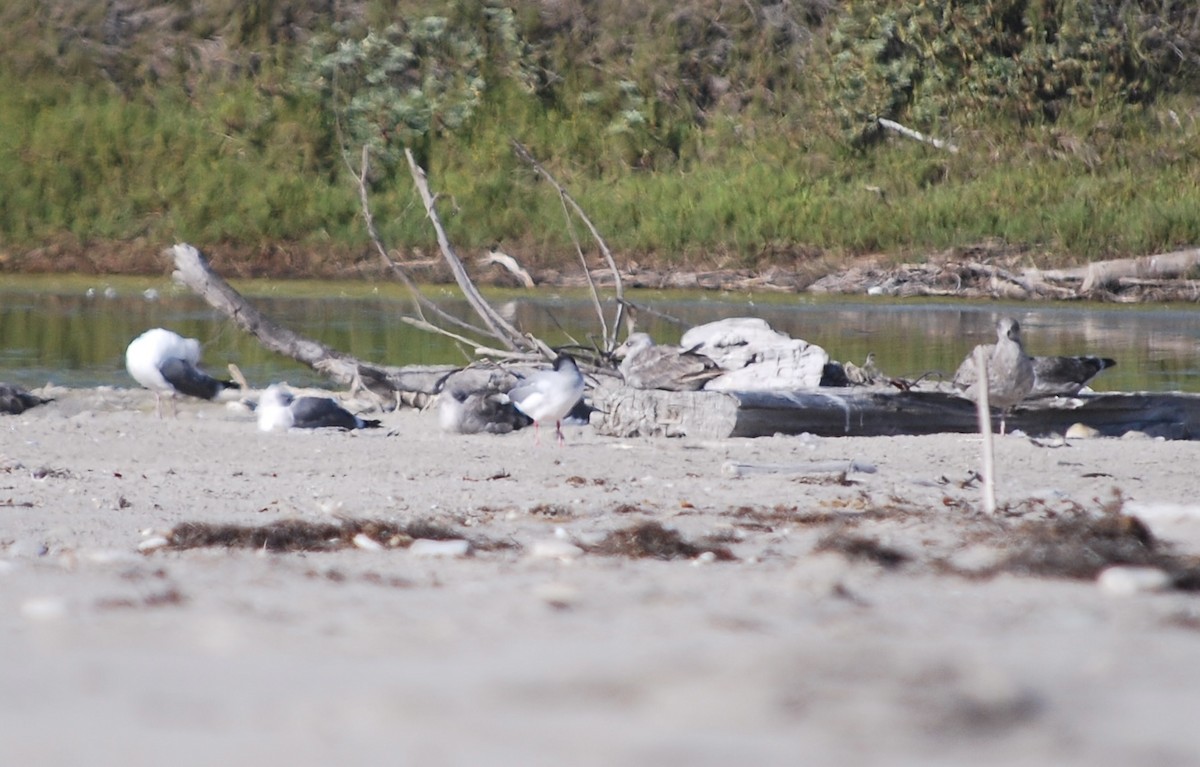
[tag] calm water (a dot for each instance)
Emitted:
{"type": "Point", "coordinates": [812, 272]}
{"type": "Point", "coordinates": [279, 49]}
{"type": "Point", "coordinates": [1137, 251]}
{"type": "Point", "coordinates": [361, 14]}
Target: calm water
{"type": "Point", "coordinates": [52, 331]}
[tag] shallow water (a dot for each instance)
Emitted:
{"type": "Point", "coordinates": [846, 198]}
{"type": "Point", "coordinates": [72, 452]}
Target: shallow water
{"type": "Point", "coordinates": [52, 330]}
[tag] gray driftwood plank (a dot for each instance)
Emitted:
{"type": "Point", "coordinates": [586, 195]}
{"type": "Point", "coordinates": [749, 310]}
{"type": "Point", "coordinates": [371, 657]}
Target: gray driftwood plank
{"type": "Point", "coordinates": [850, 412]}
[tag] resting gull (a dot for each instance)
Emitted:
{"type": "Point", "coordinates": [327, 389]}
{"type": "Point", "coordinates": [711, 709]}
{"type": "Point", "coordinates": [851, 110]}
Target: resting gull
{"type": "Point", "coordinates": [14, 400]}
{"type": "Point", "coordinates": [166, 363]}
{"type": "Point", "coordinates": [646, 365]}
{"type": "Point", "coordinates": [280, 410]}
{"type": "Point", "coordinates": [466, 410]}
{"type": "Point", "coordinates": [1065, 376]}
{"type": "Point", "coordinates": [1010, 370]}
{"type": "Point", "coordinates": [549, 395]}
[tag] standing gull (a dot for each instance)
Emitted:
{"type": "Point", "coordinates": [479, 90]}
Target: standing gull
{"type": "Point", "coordinates": [1009, 368]}
{"type": "Point", "coordinates": [548, 395]}
{"type": "Point", "coordinates": [280, 410]}
{"type": "Point", "coordinates": [645, 365]}
{"type": "Point", "coordinates": [166, 363]}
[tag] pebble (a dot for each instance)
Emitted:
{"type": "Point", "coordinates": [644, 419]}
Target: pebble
{"type": "Point", "coordinates": [1126, 580]}
{"type": "Point", "coordinates": [366, 543]}
{"type": "Point", "coordinates": [153, 543]}
{"type": "Point", "coordinates": [1081, 431]}
{"type": "Point", "coordinates": [555, 548]}
{"type": "Point", "coordinates": [44, 608]}
{"type": "Point", "coordinates": [425, 547]}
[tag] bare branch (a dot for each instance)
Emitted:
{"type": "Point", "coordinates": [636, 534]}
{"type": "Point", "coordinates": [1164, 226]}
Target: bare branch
{"type": "Point", "coordinates": [611, 340]}
{"type": "Point", "coordinates": [192, 269]}
{"type": "Point", "coordinates": [917, 136]}
{"type": "Point", "coordinates": [500, 328]}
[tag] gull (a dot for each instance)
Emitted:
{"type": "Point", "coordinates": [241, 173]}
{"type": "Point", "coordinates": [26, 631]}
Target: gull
{"type": "Point", "coordinates": [548, 395]}
{"type": "Point", "coordinates": [465, 410]}
{"type": "Point", "coordinates": [646, 365]}
{"type": "Point", "coordinates": [280, 410]}
{"type": "Point", "coordinates": [166, 363]}
{"type": "Point", "coordinates": [14, 400]}
{"type": "Point", "coordinates": [1009, 368]}
{"type": "Point", "coordinates": [1065, 376]}
{"type": "Point", "coordinates": [865, 375]}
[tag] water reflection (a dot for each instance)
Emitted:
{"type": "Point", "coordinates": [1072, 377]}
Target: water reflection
{"type": "Point", "coordinates": [50, 331]}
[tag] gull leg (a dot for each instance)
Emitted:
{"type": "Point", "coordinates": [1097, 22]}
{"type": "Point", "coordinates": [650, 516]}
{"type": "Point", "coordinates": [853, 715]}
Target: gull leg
{"type": "Point", "coordinates": [158, 404]}
{"type": "Point", "coordinates": [558, 433]}
{"type": "Point", "coordinates": [537, 435]}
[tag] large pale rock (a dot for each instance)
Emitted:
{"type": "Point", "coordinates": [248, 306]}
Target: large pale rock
{"type": "Point", "coordinates": [757, 357]}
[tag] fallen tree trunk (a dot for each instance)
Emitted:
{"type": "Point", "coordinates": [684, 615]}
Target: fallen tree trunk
{"type": "Point", "coordinates": [192, 270]}
{"type": "Point", "coordinates": [627, 412]}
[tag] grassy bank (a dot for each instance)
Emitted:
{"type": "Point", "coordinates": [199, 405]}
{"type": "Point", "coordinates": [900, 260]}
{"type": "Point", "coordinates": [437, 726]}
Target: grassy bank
{"type": "Point", "coordinates": [239, 158]}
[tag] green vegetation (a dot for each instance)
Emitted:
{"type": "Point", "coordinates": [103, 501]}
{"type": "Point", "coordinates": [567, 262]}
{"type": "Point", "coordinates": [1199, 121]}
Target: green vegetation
{"type": "Point", "coordinates": [710, 131]}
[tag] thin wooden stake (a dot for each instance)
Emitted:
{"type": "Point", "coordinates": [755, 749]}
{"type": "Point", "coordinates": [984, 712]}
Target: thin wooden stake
{"type": "Point", "coordinates": [985, 430]}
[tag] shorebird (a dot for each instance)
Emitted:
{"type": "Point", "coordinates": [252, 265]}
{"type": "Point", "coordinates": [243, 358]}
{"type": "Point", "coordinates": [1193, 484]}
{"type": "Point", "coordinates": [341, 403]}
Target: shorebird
{"type": "Point", "coordinates": [462, 410]}
{"type": "Point", "coordinates": [1065, 376]}
{"type": "Point", "coordinates": [166, 363]}
{"type": "Point", "coordinates": [280, 410]}
{"type": "Point", "coordinates": [1010, 370]}
{"type": "Point", "coordinates": [14, 400]}
{"type": "Point", "coordinates": [865, 375]}
{"type": "Point", "coordinates": [646, 365]}
{"type": "Point", "coordinates": [548, 395]}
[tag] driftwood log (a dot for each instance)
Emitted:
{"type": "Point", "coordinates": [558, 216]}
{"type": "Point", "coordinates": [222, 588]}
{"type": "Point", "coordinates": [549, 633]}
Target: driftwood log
{"type": "Point", "coordinates": [626, 412]}
{"type": "Point", "coordinates": [192, 270]}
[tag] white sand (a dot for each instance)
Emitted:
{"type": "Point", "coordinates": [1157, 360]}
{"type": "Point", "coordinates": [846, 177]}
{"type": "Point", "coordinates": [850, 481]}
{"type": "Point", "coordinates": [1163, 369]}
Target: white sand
{"type": "Point", "coordinates": [515, 656]}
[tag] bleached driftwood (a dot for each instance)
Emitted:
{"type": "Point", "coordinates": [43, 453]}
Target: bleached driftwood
{"type": "Point", "coordinates": [917, 136]}
{"type": "Point", "coordinates": [626, 412]}
{"type": "Point", "coordinates": [500, 328]}
{"type": "Point", "coordinates": [1102, 274]}
{"type": "Point", "coordinates": [508, 263]}
{"type": "Point", "coordinates": [192, 270]}
{"type": "Point", "coordinates": [609, 334]}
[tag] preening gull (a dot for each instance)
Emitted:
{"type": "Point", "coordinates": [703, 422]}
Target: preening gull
{"type": "Point", "coordinates": [548, 395]}
{"type": "Point", "coordinates": [465, 410]}
{"type": "Point", "coordinates": [1010, 370]}
{"type": "Point", "coordinates": [646, 365]}
{"type": "Point", "coordinates": [166, 363]}
{"type": "Point", "coordinates": [280, 410]}
{"type": "Point", "coordinates": [1065, 376]}
{"type": "Point", "coordinates": [14, 400]}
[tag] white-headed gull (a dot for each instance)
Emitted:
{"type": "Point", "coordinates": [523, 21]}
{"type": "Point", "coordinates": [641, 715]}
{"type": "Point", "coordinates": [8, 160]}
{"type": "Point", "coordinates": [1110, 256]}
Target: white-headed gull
{"type": "Point", "coordinates": [166, 363]}
{"type": "Point", "coordinates": [548, 395]}
{"type": "Point", "coordinates": [1010, 370]}
{"type": "Point", "coordinates": [646, 365]}
{"type": "Point", "coordinates": [280, 410]}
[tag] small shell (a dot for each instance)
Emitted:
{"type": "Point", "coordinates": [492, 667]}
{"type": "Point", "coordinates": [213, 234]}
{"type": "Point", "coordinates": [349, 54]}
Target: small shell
{"type": "Point", "coordinates": [555, 548]}
{"type": "Point", "coordinates": [367, 543]}
{"type": "Point", "coordinates": [424, 547]}
{"type": "Point", "coordinates": [1126, 580]}
{"type": "Point", "coordinates": [153, 543]}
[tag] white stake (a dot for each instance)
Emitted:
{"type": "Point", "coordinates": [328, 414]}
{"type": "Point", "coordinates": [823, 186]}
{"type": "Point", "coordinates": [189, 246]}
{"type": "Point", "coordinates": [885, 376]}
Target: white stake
{"type": "Point", "coordinates": [985, 430]}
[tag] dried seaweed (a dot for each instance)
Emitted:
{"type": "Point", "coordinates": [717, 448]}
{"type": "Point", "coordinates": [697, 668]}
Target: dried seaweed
{"type": "Point", "coordinates": [858, 547]}
{"type": "Point", "coordinates": [650, 540]}
{"type": "Point", "coordinates": [301, 535]}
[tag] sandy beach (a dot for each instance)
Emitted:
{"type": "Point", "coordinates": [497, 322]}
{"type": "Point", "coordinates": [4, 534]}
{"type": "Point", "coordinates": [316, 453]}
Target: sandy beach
{"type": "Point", "coordinates": [614, 601]}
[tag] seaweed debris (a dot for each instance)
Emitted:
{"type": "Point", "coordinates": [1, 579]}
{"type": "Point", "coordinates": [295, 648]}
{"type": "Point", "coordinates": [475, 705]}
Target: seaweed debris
{"type": "Point", "coordinates": [650, 540]}
{"type": "Point", "coordinates": [290, 535]}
